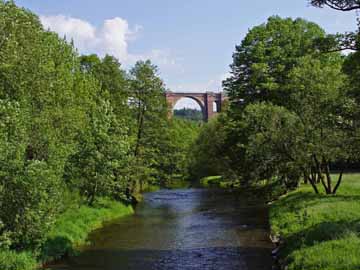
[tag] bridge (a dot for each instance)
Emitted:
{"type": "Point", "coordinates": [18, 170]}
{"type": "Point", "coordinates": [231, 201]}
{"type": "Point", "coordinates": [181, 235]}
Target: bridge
{"type": "Point", "coordinates": [210, 103]}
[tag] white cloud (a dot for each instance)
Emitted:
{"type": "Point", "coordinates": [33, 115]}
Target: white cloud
{"type": "Point", "coordinates": [112, 38]}
{"type": "Point", "coordinates": [82, 32]}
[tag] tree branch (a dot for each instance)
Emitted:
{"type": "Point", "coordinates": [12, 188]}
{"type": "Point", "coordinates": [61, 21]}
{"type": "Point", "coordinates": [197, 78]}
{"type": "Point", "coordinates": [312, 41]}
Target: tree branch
{"type": "Point", "coordinates": [340, 5]}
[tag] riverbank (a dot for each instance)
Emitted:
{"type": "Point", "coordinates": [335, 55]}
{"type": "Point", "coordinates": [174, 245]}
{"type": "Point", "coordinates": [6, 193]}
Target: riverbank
{"type": "Point", "coordinates": [319, 231]}
{"type": "Point", "coordinates": [68, 234]}
{"type": "Point", "coordinates": [218, 181]}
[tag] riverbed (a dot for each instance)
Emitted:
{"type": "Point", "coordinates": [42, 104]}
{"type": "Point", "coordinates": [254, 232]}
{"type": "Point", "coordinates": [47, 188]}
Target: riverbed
{"type": "Point", "coordinates": [182, 229]}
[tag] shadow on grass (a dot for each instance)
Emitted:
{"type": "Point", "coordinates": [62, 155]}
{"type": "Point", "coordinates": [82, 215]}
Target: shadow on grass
{"type": "Point", "coordinates": [57, 248]}
{"type": "Point", "coordinates": [345, 198]}
{"type": "Point", "coordinates": [303, 199]}
{"type": "Point", "coordinates": [322, 232]}
{"type": "Point", "coordinates": [298, 200]}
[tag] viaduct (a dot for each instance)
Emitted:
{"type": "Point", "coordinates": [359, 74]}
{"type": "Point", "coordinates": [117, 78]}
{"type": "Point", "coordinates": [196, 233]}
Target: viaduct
{"type": "Point", "coordinates": [210, 103]}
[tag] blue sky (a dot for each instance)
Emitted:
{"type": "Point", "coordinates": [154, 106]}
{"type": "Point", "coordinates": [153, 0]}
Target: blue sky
{"type": "Point", "coordinates": [190, 40]}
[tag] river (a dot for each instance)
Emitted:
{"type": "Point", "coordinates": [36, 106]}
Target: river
{"type": "Point", "coordinates": [182, 229]}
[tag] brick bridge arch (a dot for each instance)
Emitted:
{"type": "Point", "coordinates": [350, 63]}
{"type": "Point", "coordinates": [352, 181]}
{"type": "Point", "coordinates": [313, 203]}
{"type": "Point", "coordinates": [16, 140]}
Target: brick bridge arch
{"type": "Point", "coordinates": [205, 100]}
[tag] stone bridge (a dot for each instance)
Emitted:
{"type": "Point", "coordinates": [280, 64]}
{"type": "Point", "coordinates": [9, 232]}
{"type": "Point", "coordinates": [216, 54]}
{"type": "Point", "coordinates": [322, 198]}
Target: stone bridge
{"type": "Point", "coordinates": [209, 102]}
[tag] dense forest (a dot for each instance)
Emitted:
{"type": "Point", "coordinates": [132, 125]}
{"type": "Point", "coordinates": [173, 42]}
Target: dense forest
{"type": "Point", "coordinates": [189, 114]}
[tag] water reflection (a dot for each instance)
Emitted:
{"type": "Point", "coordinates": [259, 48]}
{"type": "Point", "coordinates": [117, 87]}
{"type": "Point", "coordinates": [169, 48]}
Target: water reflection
{"type": "Point", "coordinates": [182, 229]}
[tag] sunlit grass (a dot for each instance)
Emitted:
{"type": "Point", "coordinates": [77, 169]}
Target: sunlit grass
{"type": "Point", "coordinates": [73, 227]}
{"type": "Point", "coordinates": [320, 231]}
{"type": "Point", "coordinates": [211, 181]}
{"type": "Point", "coordinates": [70, 232]}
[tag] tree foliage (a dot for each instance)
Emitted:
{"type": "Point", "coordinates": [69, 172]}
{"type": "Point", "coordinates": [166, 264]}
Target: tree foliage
{"type": "Point", "coordinates": [291, 113]}
{"type": "Point", "coordinates": [189, 114]}
{"type": "Point", "coordinates": [264, 58]}
{"type": "Point", "coordinates": [339, 41]}
{"type": "Point", "coordinates": [96, 168]}
{"type": "Point", "coordinates": [207, 156]}
{"type": "Point", "coordinates": [78, 125]}
{"type": "Point", "coordinates": [341, 5]}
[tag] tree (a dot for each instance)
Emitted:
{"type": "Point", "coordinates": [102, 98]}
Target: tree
{"type": "Point", "coordinates": [320, 100]}
{"type": "Point", "coordinates": [113, 80]}
{"type": "Point", "coordinates": [44, 100]}
{"type": "Point", "coordinates": [149, 109]}
{"type": "Point", "coordinates": [207, 156]}
{"type": "Point", "coordinates": [274, 148]}
{"type": "Point", "coordinates": [351, 68]}
{"type": "Point", "coordinates": [265, 57]}
{"type": "Point", "coordinates": [177, 147]}
{"type": "Point", "coordinates": [339, 42]}
{"type": "Point", "coordinates": [282, 69]}
{"type": "Point", "coordinates": [30, 191]}
{"type": "Point", "coordinates": [96, 169]}
{"type": "Point", "coordinates": [342, 5]}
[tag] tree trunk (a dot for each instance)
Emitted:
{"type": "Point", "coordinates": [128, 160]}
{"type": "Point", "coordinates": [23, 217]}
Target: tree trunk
{"type": "Point", "coordinates": [320, 174]}
{"type": "Point", "coordinates": [306, 181]}
{"type": "Point", "coordinates": [313, 184]}
{"type": "Point", "coordinates": [93, 195]}
{"type": "Point", "coordinates": [338, 182]}
{"type": "Point", "coordinates": [328, 177]}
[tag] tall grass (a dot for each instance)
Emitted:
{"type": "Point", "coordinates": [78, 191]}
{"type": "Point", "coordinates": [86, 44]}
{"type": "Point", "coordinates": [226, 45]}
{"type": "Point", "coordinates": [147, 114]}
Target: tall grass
{"type": "Point", "coordinates": [72, 229]}
{"type": "Point", "coordinates": [320, 231]}
{"type": "Point", "coordinates": [70, 232]}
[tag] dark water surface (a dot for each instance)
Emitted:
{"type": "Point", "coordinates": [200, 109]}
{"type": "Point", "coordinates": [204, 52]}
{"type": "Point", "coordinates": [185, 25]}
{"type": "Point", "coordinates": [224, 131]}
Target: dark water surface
{"type": "Point", "coordinates": [182, 229]}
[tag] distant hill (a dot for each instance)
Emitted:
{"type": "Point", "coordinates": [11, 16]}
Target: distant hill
{"type": "Point", "coordinates": [189, 114]}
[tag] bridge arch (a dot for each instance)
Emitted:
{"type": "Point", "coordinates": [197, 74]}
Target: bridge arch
{"type": "Point", "coordinates": [205, 100]}
{"type": "Point", "coordinates": [196, 100]}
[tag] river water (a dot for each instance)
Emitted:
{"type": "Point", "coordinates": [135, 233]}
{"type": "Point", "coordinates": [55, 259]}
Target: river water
{"type": "Point", "coordinates": [182, 229]}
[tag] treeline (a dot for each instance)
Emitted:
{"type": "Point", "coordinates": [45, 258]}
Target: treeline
{"type": "Point", "coordinates": [189, 114]}
{"type": "Point", "coordinates": [293, 110]}
{"type": "Point", "coordinates": [75, 128]}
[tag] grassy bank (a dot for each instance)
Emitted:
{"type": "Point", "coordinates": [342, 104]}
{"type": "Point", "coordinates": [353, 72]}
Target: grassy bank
{"type": "Point", "coordinates": [70, 232]}
{"type": "Point", "coordinates": [319, 231]}
{"type": "Point", "coordinates": [218, 181]}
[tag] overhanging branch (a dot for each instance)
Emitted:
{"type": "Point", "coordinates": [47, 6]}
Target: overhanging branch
{"type": "Point", "coordinates": [341, 5]}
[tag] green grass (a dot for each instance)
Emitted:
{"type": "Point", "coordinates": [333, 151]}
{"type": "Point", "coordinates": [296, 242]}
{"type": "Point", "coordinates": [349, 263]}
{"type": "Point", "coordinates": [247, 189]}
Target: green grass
{"type": "Point", "coordinates": [319, 231]}
{"type": "Point", "coordinates": [73, 227]}
{"type": "Point", "coordinates": [218, 181]}
{"type": "Point", "coordinates": [68, 234]}
{"type": "Point", "coordinates": [211, 181]}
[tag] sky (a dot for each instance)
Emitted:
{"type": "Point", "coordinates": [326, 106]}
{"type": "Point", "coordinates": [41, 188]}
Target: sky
{"type": "Point", "coordinates": [191, 41]}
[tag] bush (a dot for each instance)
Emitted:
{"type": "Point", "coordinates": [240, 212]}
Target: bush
{"type": "Point", "coordinates": [10, 260]}
{"type": "Point", "coordinates": [30, 204]}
